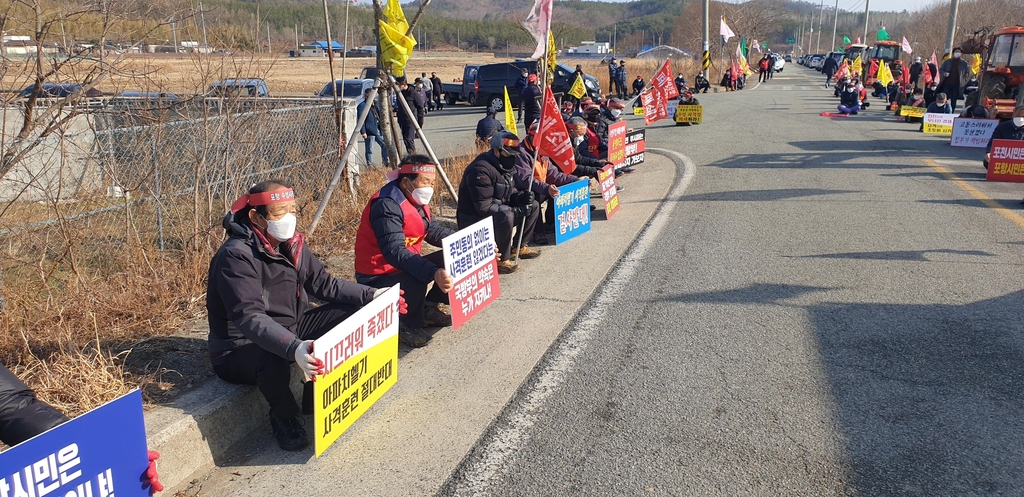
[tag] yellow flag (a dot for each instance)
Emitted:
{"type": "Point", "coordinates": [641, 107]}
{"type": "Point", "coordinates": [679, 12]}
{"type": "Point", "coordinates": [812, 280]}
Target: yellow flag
{"type": "Point", "coordinates": [396, 47]}
{"type": "Point", "coordinates": [857, 66]}
{"type": "Point", "coordinates": [976, 64]}
{"type": "Point", "coordinates": [552, 61]}
{"type": "Point", "coordinates": [884, 74]}
{"type": "Point", "coordinates": [578, 89]}
{"type": "Point", "coordinates": [510, 115]}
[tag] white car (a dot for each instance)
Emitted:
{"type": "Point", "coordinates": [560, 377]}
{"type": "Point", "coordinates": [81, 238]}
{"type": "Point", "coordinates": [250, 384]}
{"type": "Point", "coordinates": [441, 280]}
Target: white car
{"type": "Point", "coordinates": [780, 63]}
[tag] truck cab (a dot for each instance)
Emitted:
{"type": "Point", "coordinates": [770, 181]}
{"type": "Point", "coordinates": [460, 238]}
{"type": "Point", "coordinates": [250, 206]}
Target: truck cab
{"type": "Point", "coordinates": [465, 89]}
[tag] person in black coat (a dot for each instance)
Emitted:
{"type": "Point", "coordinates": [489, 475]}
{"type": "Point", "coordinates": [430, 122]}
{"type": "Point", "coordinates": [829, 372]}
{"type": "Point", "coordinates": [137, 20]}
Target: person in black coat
{"type": "Point", "coordinates": [405, 122]}
{"type": "Point", "coordinates": [488, 126]}
{"type": "Point", "coordinates": [529, 101]}
{"type": "Point", "coordinates": [257, 301]}
{"type": "Point", "coordinates": [438, 90]}
{"type": "Point", "coordinates": [22, 415]}
{"type": "Point", "coordinates": [829, 68]}
{"type": "Point", "coordinates": [701, 84]}
{"type": "Point", "coordinates": [915, 71]}
{"type": "Point", "coordinates": [371, 129]}
{"type": "Point", "coordinates": [1007, 130]}
{"type": "Point", "coordinates": [488, 189]}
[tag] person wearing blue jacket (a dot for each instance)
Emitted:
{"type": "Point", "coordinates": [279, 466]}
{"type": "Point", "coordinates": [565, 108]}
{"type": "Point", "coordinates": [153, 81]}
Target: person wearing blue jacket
{"type": "Point", "coordinates": [371, 129]}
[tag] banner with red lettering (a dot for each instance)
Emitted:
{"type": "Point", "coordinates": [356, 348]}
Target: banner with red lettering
{"type": "Point", "coordinates": [655, 105]}
{"type": "Point", "coordinates": [617, 143]}
{"type": "Point", "coordinates": [663, 81]}
{"type": "Point", "coordinates": [609, 192]}
{"type": "Point", "coordinates": [1007, 161]}
{"type": "Point", "coordinates": [553, 139]}
{"type": "Point", "coordinates": [470, 260]}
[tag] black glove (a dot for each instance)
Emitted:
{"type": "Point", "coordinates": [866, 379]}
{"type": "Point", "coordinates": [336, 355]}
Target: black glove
{"type": "Point", "coordinates": [523, 199]}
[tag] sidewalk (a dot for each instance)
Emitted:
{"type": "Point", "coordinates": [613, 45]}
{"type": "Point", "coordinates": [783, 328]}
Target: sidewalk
{"type": "Point", "coordinates": [448, 393]}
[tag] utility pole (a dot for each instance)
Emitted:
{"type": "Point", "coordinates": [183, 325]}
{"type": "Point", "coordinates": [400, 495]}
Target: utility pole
{"type": "Point", "coordinates": [810, 38]}
{"type": "Point", "coordinates": [803, 24]}
{"type": "Point", "coordinates": [821, 20]}
{"type": "Point", "coordinates": [174, 34]}
{"type": "Point", "coordinates": [296, 40]}
{"type": "Point", "coordinates": [954, 5]}
{"type": "Point", "coordinates": [705, 56]}
{"type": "Point", "coordinates": [867, 10]}
{"type": "Point", "coordinates": [835, 25]}
{"type": "Point", "coordinates": [202, 17]}
{"type": "Point", "coordinates": [269, 50]}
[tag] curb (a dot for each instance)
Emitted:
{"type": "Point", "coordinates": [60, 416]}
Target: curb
{"type": "Point", "coordinates": [202, 426]}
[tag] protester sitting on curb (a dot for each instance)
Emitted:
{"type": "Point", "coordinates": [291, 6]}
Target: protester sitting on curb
{"type": "Point", "coordinates": [23, 416]}
{"type": "Point", "coordinates": [849, 101]}
{"type": "Point", "coordinates": [596, 143]}
{"type": "Point", "coordinates": [257, 298]}
{"type": "Point", "coordinates": [585, 166]}
{"type": "Point", "coordinates": [487, 190]}
{"type": "Point", "coordinates": [940, 105]}
{"type": "Point", "coordinates": [543, 189]}
{"type": "Point", "coordinates": [488, 126]}
{"type": "Point", "coordinates": [1007, 130]}
{"type": "Point", "coordinates": [389, 247]}
{"type": "Point", "coordinates": [593, 116]}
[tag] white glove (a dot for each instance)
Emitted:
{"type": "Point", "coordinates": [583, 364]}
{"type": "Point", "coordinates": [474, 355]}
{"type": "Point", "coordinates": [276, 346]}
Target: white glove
{"type": "Point", "coordinates": [309, 365]}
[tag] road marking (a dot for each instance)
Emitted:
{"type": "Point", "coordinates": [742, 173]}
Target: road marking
{"type": "Point", "coordinates": [478, 477]}
{"type": "Point", "coordinates": [976, 193]}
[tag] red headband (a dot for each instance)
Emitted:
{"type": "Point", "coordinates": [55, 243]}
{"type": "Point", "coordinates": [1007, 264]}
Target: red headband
{"type": "Point", "coordinates": [411, 169]}
{"type": "Point", "coordinates": [265, 198]}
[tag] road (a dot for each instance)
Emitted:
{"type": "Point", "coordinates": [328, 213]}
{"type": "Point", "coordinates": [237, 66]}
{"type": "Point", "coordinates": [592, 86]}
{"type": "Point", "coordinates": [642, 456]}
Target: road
{"type": "Point", "coordinates": [819, 307]}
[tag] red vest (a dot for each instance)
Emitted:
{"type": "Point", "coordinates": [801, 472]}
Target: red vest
{"type": "Point", "coordinates": [593, 143]}
{"type": "Point", "coordinates": [369, 259]}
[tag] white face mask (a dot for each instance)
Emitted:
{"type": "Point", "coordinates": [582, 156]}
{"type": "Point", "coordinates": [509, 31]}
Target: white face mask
{"type": "Point", "coordinates": [422, 195]}
{"type": "Point", "coordinates": [956, 55]}
{"type": "Point", "coordinates": [283, 229]}
{"type": "Point", "coordinates": [576, 140]}
{"type": "Point", "coordinates": [1018, 122]}
{"type": "Point", "coordinates": [615, 112]}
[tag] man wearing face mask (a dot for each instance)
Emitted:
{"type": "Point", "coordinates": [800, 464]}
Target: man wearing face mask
{"type": "Point", "coordinates": [612, 112]}
{"type": "Point", "coordinates": [389, 247]}
{"type": "Point", "coordinates": [488, 189]}
{"type": "Point", "coordinates": [585, 166]}
{"type": "Point", "coordinates": [955, 73]}
{"type": "Point", "coordinates": [544, 182]}
{"type": "Point", "coordinates": [1007, 130]}
{"type": "Point", "coordinates": [257, 299]}
{"type": "Point", "coordinates": [596, 140]}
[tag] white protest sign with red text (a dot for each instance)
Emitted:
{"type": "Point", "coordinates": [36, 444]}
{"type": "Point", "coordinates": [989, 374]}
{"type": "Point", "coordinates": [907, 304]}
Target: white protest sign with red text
{"type": "Point", "coordinates": [469, 259]}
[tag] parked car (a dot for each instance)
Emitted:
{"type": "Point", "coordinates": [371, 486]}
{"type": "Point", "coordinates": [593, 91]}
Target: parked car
{"type": "Point", "coordinates": [778, 63]}
{"type": "Point", "coordinates": [351, 89]}
{"type": "Point", "coordinates": [816, 61]}
{"type": "Point", "coordinates": [492, 79]}
{"type": "Point", "coordinates": [232, 87]}
{"type": "Point", "coordinates": [59, 90]}
{"type": "Point", "coordinates": [789, 58]}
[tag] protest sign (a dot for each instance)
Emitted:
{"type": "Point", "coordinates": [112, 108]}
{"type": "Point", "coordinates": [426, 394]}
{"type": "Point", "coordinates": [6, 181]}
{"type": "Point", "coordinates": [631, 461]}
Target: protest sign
{"type": "Point", "coordinates": [617, 143]}
{"type": "Point", "coordinates": [360, 357]}
{"type": "Point", "coordinates": [638, 111]}
{"type": "Point", "coordinates": [609, 192]}
{"type": "Point", "coordinates": [572, 211]}
{"type": "Point", "coordinates": [938, 124]}
{"type": "Point", "coordinates": [469, 259]}
{"type": "Point", "coordinates": [1007, 161]}
{"type": "Point", "coordinates": [94, 454]}
{"type": "Point", "coordinates": [972, 133]}
{"type": "Point", "coordinates": [689, 114]}
{"type": "Point", "coordinates": [672, 106]}
{"type": "Point", "coordinates": [911, 111]}
{"type": "Point", "coordinates": [635, 141]}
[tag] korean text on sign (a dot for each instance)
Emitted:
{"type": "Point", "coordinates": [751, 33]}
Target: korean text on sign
{"type": "Point", "coordinates": [93, 455]}
{"type": "Point", "coordinates": [938, 124]}
{"type": "Point", "coordinates": [635, 145]}
{"type": "Point", "coordinates": [572, 211]}
{"type": "Point", "coordinates": [360, 356]}
{"type": "Point", "coordinates": [972, 133]}
{"type": "Point", "coordinates": [689, 114]}
{"type": "Point", "coordinates": [1007, 161]}
{"type": "Point", "coordinates": [617, 143]}
{"type": "Point", "coordinates": [609, 192]}
{"type": "Point", "coordinates": [470, 260]}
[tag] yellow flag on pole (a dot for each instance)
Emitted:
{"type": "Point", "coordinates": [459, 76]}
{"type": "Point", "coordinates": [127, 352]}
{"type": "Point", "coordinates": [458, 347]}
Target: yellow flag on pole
{"type": "Point", "coordinates": [976, 64]}
{"type": "Point", "coordinates": [884, 74]}
{"type": "Point", "coordinates": [396, 47]}
{"type": "Point", "coordinates": [510, 115]}
{"type": "Point", "coordinates": [578, 89]}
{"type": "Point", "coordinates": [857, 67]}
{"type": "Point", "coordinates": [552, 60]}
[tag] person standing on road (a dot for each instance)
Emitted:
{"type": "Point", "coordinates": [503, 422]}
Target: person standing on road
{"type": "Point", "coordinates": [521, 83]}
{"type": "Point", "coordinates": [955, 73]}
{"type": "Point", "coordinates": [613, 77]}
{"type": "Point", "coordinates": [829, 68]}
{"type": "Point", "coordinates": [1007, 130]}
{"type": "Point", "coordinates": [405, 121]}
{"type": "Point", "coordinates": [529, 101]}
{"type": "Point", "coordinates": [371, 129]}
{"type": "Point", "coordinates": [487, 190]}
{"type": "Point", "coordinates": [438, 90]}
{"type": "Point", "coordinates": [389, 247]}
{"type": "Point", "coordinates": [257, 300]}
{"type": "Point", "coordinates": [623, 77]}
{"type": "Point", "coordinates": [428, 90]}
{"type": "Point", "coordinates": [763, 66]}
{"type": "Point", "coordinates": [488, 126]}
{"type": "Point", "coordinates": [915, 71]}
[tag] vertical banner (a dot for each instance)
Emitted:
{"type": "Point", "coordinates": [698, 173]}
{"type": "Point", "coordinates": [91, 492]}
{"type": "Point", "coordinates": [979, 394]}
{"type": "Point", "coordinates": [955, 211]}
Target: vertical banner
{"type": "Point", "coordinates": [360, 358]}
{"type": "Point", "coordinates": [617, 143]}
{"type": "Point", "coordinates": [95, 454]}
{"type": "Point", "coordinates": [572, 211]}
{"type": "Point", "coordinates": [469, 259]}
{"type": "Point", "coordinates": [938, 124]}
{"type": "Point", "coordinates": [1007, 161]}
{"type": "Point", "coordinates": [609, 192]}
{"type": "Point", "coordinates": [972, 133]}
{"type": "Point", "coordinates": [650, 106]}
{"type": "Point", "coordinates": [635, 142]}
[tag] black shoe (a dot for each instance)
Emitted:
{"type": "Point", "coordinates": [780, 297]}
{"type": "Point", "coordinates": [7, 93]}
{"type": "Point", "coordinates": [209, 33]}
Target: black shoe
{"type": "Point", "coordinates": [413, 337]}
{"type": "Point", "coordinates": [627, 170]}
{"type": "Point", "coordinates": [307, 398]}
{"type": "Point", "coordinates": [432, 316]}
{"type": "Point", "coordinates": [290, 434]}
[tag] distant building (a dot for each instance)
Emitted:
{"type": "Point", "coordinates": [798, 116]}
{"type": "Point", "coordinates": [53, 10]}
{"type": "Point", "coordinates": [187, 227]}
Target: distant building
{"type": "Point", "coordinates": [311, 51]}
{"type": "Point", "coordinates": [591, 48]}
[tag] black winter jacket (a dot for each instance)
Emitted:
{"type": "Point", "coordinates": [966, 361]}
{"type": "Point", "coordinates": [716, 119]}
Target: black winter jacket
{"type": "Point", "coordinates": [486, 188]}
{"type": "Point", "coordinates": [256, 295]}
{"type": "Point", "coordinates": [22, 416]}
{"type": "Point", "coordinates": [1006, 130]}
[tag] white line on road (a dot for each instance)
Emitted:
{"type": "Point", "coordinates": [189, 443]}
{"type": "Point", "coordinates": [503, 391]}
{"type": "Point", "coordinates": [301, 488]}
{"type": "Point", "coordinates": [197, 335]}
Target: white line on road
{"type": "Point", "coordinates": [481, 475]}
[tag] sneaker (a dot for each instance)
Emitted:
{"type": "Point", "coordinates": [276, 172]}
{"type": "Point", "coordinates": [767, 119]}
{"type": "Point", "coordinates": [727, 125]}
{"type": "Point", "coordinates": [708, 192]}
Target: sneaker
{"type": "Point", "coordinates": [528, 253]}
{"type": "Point", "coordinates": [413, 337]}
{"type": "Point", "coordinates": [507, 267]}
{"type": "Point", "coordinates": [619, 188]}
{"type": "Point", "coordinates": [432, 316]}
{"type": "Point", "coordinates": [307, 398]}
{"type": "Point", "coordinates": [290, 434]}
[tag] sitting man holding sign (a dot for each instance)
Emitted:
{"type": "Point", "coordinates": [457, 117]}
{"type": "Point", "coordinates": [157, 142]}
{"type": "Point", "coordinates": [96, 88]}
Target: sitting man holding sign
{"type": "Point", "coordinates": [389, 247]}
{"type": "Point", "coordinates": [257, 298]}
{"type": "Point", "coordinates": [1007, 130]}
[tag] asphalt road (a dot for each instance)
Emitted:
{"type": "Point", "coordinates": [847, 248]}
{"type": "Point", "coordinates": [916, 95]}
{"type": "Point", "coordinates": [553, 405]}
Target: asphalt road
{"type": "Point", "coordinates": [832, 308]}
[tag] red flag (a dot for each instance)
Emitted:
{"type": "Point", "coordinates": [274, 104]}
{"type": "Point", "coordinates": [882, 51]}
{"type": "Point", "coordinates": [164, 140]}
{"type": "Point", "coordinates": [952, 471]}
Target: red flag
{"type": "Point", "coordinates": [553, 139]}
{"type": "Point", "coordinates": [858, 40]}
{"type": "Point", "coordinates": [662, 103]}
{"type": "Point", "coordinates": [906, 77]}
{"type": "Point", "coordinates": [663, 81]}
{"type": "Point", "coordinates": [873, 69]}
{"type": "Point", "coordinates": [844, 71]}
{"type": "Point", "coordinates": [650, 108]}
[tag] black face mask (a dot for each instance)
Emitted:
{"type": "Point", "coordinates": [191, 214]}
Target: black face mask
{"type": "Point", "coordinates": [507, 162]}
{"type": "Point", "coordinates": [593, 117]}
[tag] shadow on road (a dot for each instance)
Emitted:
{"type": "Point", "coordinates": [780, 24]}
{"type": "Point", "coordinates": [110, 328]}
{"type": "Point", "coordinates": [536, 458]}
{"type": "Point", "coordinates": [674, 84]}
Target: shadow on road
{"type": "Point", "coordinates": [761, 293]}
{"type": "Point", "coordinates": [899, 255]}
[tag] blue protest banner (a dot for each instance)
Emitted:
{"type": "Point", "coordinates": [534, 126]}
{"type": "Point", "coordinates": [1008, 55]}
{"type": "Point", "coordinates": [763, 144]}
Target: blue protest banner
{"type": "Point", "coordinates": [572, 211]}
{"type": "Point", "coordinates": [92, 455]}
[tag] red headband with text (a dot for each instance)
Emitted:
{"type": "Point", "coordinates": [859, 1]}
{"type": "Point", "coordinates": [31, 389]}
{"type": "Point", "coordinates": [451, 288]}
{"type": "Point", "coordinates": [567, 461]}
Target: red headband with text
{"type": "Point", "coordinates": [411, 169]}
{"type": "Point", "coordinates": [265, 198]}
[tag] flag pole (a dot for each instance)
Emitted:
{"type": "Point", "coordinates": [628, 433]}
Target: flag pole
{"type": "Point", "coordinates": [540, 122]}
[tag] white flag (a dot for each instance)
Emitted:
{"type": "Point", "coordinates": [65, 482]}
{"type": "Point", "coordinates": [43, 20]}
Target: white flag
{"type": "Point", "coordinates": [906, 46]}
{"type": "Point", "coordinates": [757, 46]}
{"type": "Point", "coordinates": [725, 31]}
{"type": "Point", "coordinates": [538, 23]}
